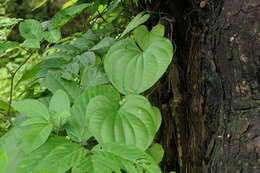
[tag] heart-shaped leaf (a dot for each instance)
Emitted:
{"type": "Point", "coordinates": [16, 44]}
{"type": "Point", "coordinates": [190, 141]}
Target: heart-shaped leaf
{"type": "Point", "coordinates": [133, 69]}
{"type": "Point", "coordinates": [134, 122]}
{"type": "Point", "coordinates": [77, 123]}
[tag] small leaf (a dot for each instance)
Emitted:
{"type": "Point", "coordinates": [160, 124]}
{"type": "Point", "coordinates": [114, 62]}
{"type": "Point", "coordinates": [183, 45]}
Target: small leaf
{"type": "Point", "coordinates": [60, 108]}
{"type": "Point", "coordinates": [53, 82]}
{"type": "Point", "coordinates": [158, 30]}
{"type": "Point", "coordinates": [157, 152]}
{"type": "Point", "coordinates": [93, 76]}
{"type": "Point", "coordinates": [31, 29]}
{"type": "Point", "coordinates": [7, 45]}
{"type": "Point", "coordinates": [31, 43]}
{"type": "Point", "coordinates": [32, 108]}
{"type": "Point", "coordinates": [29, 74]}
{"type": "Point", "coordinates": [59, 102]}
{"type": "Point", "coordinates": [86, 59]}
{"type": "Point", "coordinates": [52, 36]}
{"type": "Point", "coordinates": [65, 15]}
{"type": "Point", "coordinates": [102, 47]}
{"type": "Point", "coordinates": [39, 4]}
{"type": "Point", "coordinates": [136, 21]}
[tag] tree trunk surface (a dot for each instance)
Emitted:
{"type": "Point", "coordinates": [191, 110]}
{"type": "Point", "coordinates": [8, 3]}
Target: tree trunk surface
{"type": "Point", "coordinates": [210, 95]}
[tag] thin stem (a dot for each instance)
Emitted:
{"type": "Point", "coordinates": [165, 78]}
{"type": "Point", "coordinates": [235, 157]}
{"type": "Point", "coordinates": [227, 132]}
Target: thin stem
{"type": "Point", "coordinates": [12, 85]}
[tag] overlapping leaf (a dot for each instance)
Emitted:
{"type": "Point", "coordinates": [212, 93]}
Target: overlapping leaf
{"type": "Point", "coordinates": [57, 155]}
{"type": "Point", "coordinates": [77, 127]}
{"type": "Point", "coordinates": [135, 122]}
{"type": "Point", "coordinates": [111, 157]}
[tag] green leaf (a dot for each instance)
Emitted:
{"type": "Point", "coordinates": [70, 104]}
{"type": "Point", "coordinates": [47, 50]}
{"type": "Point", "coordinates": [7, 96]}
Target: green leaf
{"type": "Point", "coordinates": [69, 3]}
{"type": "Point", "coordinates": [64, 16]}
{"type": "Point", "coordinates": [39, 4]}
{"type": "Point", "coordinates": [31, 29]}
{"type": "Point", "coordinates": [3, 105]}
{"type": "Point", "coordinates": [3, 160]}
{"type": "Point", "coordinates": [136, 21]}
{"type": "Point", "coordinates": [43, 171]}
{"type": "Point", "coordinates": [32, 108]}
{"type": "Point", "coordinates": [59, 102]}
{"type": "Point", "coordinates": [7, 45]}
{"type": "Point", "coordinates": [158, 30]}
{"type": "Point", "coordinates": [60, 108]}
{"type": "Point", "coordinates": [111, 157]}
{"type": "Point", "coordinates": [57, 155]}
{"type": "Point", "coordinates": [134, 122]}
{"type": "Point", "coordinates": [157, 152]}
{"type": "Point", "coordinates": [86, 59]}
{"type": "Point", "coordinates": [53, 82]}
{"type": "Point", "coordinates": [77, 127]}
{"type": "Point", "coordinates": [29, 74]}
{"type": "Point", "coordinates": [132, 69]}
{"type": "Point", "coordinates": [10, 143]}
{"type": "Point", "coordinates": [102, 47]}
{"type": "Point", "coordinates": [35, 135]}
{"type": "Point", "coordinates": [93, 76]}
{"type": "Point", "coordinates": [52, 36]}
{"type": "Point", "coordinates": [31, 43]}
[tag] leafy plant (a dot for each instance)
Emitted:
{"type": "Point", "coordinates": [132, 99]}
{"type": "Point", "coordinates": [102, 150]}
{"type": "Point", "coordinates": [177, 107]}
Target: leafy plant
{"type": "Point", "coordinates": [92, 118]}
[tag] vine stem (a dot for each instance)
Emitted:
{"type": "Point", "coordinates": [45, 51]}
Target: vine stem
{"type": "Point", "coordinates": [12, 85]}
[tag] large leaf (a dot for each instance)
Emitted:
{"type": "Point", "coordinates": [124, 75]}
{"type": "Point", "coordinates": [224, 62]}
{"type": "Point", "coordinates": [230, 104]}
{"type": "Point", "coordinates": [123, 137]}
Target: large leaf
{"type": "Point", "coordinates": [77, 125]}
{"type": "Point", "coordinates": [135, 122]}
{"type": "Point", "coordinates": [111, 157]}
{"type": "Point", "coordinates": [136, 21]}
{"type": "Point", "coordinates": [9, 143]}
{"type": "Point", "coordinates": [22, 140]}
{"type": "Point", "coordinates": [53, 82]}
{"type": "Point", "coordinates": [133, 69]}
{"type": "Point", "coordinates": [57, 155]}
{"type": "Point", "coordinates": [32, 108]}
{"type": "Point", "coordinates": [31, 29]}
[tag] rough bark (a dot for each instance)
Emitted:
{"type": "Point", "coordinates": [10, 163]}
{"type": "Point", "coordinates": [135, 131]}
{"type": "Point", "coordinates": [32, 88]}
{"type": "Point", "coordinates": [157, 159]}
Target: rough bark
{"type": "Point", "coordinates": [210, 96]}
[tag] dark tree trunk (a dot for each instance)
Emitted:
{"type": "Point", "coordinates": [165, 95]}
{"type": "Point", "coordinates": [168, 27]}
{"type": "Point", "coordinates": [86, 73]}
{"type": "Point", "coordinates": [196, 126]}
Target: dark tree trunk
{"type": "Point", "coordinates": [210, 96]}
